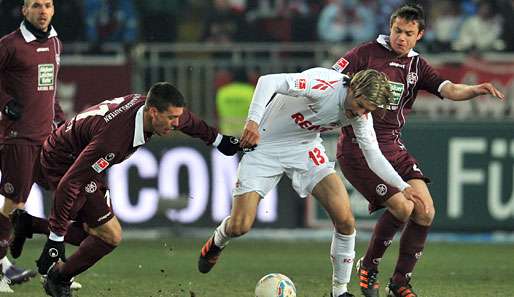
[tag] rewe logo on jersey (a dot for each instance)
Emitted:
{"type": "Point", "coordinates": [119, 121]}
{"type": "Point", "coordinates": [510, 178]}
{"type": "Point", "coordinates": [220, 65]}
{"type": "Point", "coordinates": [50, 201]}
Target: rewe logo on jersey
{"type": "Point", "coordinates": [300, 120]}
{"type": "Point", "coordinates": [323, 85]}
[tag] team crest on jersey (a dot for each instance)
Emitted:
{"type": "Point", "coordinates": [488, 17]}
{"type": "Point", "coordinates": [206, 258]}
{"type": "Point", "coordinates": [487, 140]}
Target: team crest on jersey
{"type": "Point", "coordinates": [300, 84]}
{"type": "Point", "coordinates": [412, 78]}
{"type": "Point", "coordinates": [381, 189]}
{"type": "Point", "coordinates": [91, 187]}
{"type": "Point", "coordinates": [8, 188]}
{"type": "Point", "coordinates": [100, 165]}
{"type": "Point", "coordinates": [46, 74]}
{"type": "Point", "coordinates": [340, 65]}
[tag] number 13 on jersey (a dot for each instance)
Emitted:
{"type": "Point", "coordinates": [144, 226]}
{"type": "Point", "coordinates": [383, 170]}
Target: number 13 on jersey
{"type": "Point", "coordinates": [317, 156]}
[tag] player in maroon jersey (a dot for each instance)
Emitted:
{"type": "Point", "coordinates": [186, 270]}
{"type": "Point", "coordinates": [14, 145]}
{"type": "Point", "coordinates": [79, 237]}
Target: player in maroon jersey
{"type": "Point", "coordinates": [29, 63]}
{"type": "Point", "coordinates": [408, 72]}
{"type": "Point", "coordinates": [73, 162]}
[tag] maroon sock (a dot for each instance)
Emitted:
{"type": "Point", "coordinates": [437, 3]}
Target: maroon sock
{"type": "Point", "coordinates": [91, 250]}
{"type": "Point", "coordinates": [383, 234]}
{"type": "Point", "coordinates": [75, 233]}
{"type": "Point", "coordinates": [40, 226]}
{"type": "Point", "coordinates": [5, 234]}
{"type": "Point", "coordinates": [412, 244]}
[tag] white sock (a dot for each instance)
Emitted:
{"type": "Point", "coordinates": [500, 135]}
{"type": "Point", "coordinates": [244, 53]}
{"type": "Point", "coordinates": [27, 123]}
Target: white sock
{"type": "Point", "coordinates": [5, 264]}
{"type": "Point", "coordinates": [342, 252]}
{"type": "Point", "coordinates": [221, 238]}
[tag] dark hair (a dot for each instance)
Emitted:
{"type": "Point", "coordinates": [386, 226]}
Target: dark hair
{"type": "Point", "coordinates": [162, 95]}
{"type": "Point", "coordinates": [410, 12]}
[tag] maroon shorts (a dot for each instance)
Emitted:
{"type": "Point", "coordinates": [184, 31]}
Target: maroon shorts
{"type": "Point", "coordinates": [92, 205]}
{"type": "Point", "coordinates": [17, 162]}
{"type": "Point", "coordinates": [373, 188]}
{"type": "Point", "coordinates": [94, 209]}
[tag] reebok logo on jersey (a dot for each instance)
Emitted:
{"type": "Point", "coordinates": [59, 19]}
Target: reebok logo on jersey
{"type": "Point", "coordinates": [100, 165]}
{"type": "Point", "coordinates": [300, 84]}
{"type": "Point", "coordinates": [323, 85]}
{"type": "Point", "coordinates": [340, 65]}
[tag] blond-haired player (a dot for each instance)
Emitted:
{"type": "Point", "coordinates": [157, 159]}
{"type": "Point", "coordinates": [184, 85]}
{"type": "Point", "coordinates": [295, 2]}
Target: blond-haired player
{"type": "Point", "coordinates": [286, 116]}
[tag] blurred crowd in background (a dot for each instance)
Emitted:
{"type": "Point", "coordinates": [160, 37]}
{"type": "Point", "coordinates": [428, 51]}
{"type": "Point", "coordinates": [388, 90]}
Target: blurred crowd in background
{"type": "Point", "coordinates": [452, 25]}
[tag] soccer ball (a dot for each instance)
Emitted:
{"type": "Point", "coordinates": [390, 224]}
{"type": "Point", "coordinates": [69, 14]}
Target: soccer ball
{"type": "Point", "coordinates": [275, 285]}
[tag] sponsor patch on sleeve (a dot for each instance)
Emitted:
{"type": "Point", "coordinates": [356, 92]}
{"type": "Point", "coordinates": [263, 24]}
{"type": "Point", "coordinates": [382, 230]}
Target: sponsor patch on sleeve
{"type": "Point", "coordinates": [340, 65]}
{"type": "Point", "coordinates": [100, 165]}
{"type": "Point", "coordinates": [300, 84]}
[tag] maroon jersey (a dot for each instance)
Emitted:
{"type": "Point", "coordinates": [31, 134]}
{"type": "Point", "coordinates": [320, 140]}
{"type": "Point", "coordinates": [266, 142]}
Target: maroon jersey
{"type": "Point", "coordinates": [28, 74]}
{"type": "Point", "coordinates": [103, 135]}
{"type": "Point", "coordinates": [407, 75]}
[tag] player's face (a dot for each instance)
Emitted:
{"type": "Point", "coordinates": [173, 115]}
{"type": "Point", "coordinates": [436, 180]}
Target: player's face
{"type": "Point", "coordinates": [358, 106]}
{"type": "Point", "coordinates": [404, 36]}
{"type": "Point", "coordinates": [163, 123]}
{"type": "Point", "coordinates": [39, 13]}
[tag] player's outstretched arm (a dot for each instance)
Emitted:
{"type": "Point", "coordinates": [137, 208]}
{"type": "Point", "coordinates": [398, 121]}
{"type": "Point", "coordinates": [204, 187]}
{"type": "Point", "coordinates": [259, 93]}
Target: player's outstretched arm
{"type": "Point", "coordinates": [462, 92]}
{"type": "Point", "coordinates": [192, 125]}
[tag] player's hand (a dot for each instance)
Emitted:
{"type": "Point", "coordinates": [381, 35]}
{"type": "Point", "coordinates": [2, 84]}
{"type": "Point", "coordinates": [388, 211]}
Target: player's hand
{"type": "Point", "coordinates": [52, 252]}
{"type": "Point", "coordinates": [251, 136]}
{"type": "Point", "coordinates": [488, 88]}
{"type": "Point", "coordinates": [13, 110]}
{"type": "Point", "coordinates": [411, 194]}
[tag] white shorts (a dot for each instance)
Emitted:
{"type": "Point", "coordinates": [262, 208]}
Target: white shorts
{"type": "Point", "coordinates": [261, 170]}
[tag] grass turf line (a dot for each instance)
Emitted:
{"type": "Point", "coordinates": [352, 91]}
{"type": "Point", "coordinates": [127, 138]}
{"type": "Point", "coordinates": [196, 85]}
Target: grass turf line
{"type": "Point", "coordinates": [167, 268]}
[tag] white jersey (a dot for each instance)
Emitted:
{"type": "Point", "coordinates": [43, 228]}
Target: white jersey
{"type": "Point", "coordinates": [293, 108]}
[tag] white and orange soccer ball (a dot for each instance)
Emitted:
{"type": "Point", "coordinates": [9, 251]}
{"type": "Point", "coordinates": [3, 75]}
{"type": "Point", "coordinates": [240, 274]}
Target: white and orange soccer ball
{"type": "Point", "coordinates": [275, 285]}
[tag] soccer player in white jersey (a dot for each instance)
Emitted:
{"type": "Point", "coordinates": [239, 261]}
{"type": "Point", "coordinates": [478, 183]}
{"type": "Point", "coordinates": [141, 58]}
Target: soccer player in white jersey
{"type": "Point", "coordinates": [286, 116]}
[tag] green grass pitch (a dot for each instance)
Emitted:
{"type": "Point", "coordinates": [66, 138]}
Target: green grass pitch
{"type": "Point", "coordinates": [167, 267]}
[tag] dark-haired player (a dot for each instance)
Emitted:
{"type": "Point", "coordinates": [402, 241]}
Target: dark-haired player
{"type": "Point", "coordinates": [29, 63]}
{"type": "Point", "coordinates": [73, 162]}
{"type": "Point", "coordinates": [408, 72]}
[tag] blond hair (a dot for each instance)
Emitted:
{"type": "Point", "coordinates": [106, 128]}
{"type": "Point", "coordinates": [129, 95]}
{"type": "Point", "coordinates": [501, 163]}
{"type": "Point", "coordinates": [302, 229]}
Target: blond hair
{"type": "Point", "coordinates": [373, 85]}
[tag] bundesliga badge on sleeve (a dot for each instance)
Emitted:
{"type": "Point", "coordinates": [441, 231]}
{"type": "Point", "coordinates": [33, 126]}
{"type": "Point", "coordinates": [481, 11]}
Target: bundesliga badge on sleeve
{"type": "Point", "coordinates": [100, 165]}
